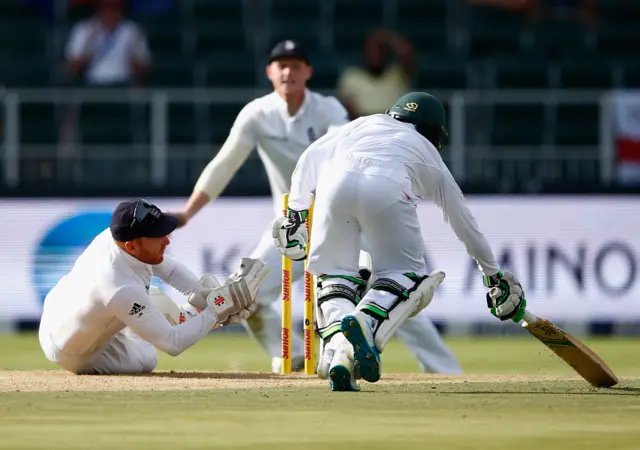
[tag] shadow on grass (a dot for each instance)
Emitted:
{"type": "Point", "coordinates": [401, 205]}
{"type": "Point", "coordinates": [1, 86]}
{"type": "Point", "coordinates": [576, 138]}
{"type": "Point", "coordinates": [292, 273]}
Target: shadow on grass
{"type": "Point", "coordinates": [224, 375]}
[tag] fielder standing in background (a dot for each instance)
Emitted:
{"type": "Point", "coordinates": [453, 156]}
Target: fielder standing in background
{"type": "Point", "coordinates": [100, 318]}
{"type": "Point", "coordinates": [282, 125]}
{"type": "Point", "coordinates": [367, 178]}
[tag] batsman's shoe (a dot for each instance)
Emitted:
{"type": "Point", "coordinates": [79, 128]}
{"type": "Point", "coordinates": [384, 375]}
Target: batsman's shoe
{"type": "Point", "coordinates": [341, 373]}
{"type": "Point", "coordinates": [324, 364]}
{"type": "Point", "coordinates": [358, 332]}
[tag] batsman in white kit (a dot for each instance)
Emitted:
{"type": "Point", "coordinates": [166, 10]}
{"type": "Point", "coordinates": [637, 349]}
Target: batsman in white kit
{"type": "Point", "coordinates": [367, 178]}
{"type": "Point", "coordinates": [104, 317]}
{"type": "Point", "coordinates": [281, 125]}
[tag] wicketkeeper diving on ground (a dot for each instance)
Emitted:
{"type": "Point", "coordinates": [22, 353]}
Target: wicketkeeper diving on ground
{"type": "Point", "coordinates": [367, 178]}
{"type": "Point", "coordinates": [104, 317]}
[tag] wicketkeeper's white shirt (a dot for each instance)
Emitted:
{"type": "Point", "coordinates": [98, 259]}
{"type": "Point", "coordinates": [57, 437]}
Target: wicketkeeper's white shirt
{"type": "Point", "coordinates": [106, 291]}
{"type": "Point", "coordinates": [265, 123]}
{"type": "Point", "coordinates": [382, 146]}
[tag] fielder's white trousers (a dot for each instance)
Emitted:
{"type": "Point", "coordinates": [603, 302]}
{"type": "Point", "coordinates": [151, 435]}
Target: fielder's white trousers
{"type": "Point", "coordinates": [418, 334]}
{"type": "Point", "coordinates": [125, 352]}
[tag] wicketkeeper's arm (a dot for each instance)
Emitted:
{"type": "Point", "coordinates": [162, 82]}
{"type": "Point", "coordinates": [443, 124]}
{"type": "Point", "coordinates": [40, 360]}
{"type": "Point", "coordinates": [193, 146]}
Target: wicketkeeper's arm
{"type": "Point", "coordinates": [132, 306]}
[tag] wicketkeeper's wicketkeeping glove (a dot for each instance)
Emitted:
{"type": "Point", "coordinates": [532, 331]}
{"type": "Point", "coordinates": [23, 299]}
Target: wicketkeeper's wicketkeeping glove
{"type": "Point", "coordinates": [237, 299]}
{"type": "Point", "coordinates": [505, 299]}
{"type": "Point", "coordinates": [290, 235]}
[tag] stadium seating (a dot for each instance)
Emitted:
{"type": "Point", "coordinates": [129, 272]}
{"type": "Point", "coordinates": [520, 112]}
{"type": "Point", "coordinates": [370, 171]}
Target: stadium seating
{"type": "Point", "coordinates": [221, 44]}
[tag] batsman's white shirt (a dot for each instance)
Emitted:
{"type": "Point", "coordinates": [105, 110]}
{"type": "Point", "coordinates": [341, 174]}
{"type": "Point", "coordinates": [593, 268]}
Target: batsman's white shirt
{"type": "Point", "coordinates": [372, 171]}
{"type": "Point", "coordinates": [85, 314]}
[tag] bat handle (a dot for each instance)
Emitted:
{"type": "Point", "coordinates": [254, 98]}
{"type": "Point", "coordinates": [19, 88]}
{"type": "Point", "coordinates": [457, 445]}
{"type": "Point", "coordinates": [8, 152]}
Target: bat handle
{"type": "Point", "coordinates": [529, 317]}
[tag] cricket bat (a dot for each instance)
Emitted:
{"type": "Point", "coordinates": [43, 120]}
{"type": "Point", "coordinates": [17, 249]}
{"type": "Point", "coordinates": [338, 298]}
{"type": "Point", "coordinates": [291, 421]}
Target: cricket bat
{"type": "Point", "coordinates": [580, 357]}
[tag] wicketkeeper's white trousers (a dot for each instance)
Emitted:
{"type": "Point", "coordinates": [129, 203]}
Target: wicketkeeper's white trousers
{"type": "Point", "coordinates": [418, 334]}
{"type": "Point", "coordinates": [125, 352]}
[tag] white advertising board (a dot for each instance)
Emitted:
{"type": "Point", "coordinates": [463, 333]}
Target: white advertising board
{"type": "Point", "coordinates": [577, 257]}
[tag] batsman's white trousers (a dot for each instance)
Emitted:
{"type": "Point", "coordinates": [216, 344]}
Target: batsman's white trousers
{"type": "Point", "coordinates": [354, 210]}
{"type": "Point", "coordinates": [124, 352]}
{"type": "Point", "coordinates": [418, 334]}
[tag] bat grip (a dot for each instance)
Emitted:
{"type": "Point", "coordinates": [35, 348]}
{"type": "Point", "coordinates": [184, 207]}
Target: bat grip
{"type": "Point", "coordinates": [528, 317]}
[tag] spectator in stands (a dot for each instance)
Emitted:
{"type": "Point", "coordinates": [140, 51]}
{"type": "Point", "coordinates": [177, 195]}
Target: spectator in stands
{"type": "Point", "coordinates": [103, 51]}
{"type": "Point", "coordinates": [107, 49]}
{"type": "Point", "coordinates": [372, 88]}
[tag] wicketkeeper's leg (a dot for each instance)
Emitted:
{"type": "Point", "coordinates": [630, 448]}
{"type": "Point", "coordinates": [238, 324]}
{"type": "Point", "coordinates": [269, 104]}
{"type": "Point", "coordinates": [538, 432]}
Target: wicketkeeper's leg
{"type": "Point", "coordinates": [123, 353]}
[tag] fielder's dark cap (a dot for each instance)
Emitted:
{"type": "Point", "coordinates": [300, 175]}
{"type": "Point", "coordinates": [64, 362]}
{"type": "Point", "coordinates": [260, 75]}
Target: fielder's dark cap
{"type": "Point", "coordinates": [289, 49]}
{"type": "Point", "coordinates": [140, 218]}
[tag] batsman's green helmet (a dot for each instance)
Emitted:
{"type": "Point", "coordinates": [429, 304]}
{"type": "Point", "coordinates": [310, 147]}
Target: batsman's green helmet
{"type": "Point", "coordinates": [425, 112]}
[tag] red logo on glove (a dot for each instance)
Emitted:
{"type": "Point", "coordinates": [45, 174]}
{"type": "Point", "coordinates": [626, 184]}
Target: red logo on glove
{"type": "Point", "coordinates": [218, 301]}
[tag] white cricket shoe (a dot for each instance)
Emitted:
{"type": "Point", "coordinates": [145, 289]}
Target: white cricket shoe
{"type": "Point", "coordinates": [342, 371]}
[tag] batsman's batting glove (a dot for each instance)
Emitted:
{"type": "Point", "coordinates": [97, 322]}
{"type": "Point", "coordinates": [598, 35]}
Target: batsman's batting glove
{"type": "Point", "coordinates": [290, 235]}
{"type": "Point", "coordinates": [505, 299]}
{"type": "Point", "coordinates": [297, 217]}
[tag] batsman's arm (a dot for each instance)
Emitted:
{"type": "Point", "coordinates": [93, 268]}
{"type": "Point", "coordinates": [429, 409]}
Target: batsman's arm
{"type": "Point", "coordinates": [305, 176]}
{"type": "Point", "coordinates": [218, 173]}
{"type": "Point", "coordinates": [446, 194]}
{"type": "Point", "coordinates": [175, 274]}
{"type": "Point", "coordinates": [132, 306]}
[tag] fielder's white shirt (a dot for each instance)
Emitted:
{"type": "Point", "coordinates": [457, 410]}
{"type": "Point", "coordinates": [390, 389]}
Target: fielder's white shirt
{"type": "Point", "coordinates": [106, 291]}
{"type": "Point", "coordinates": [265, 123]}
{"type": "Point", "coordinates": [381, 145]}
{"type": "Point", "coordinates": [110, 51]}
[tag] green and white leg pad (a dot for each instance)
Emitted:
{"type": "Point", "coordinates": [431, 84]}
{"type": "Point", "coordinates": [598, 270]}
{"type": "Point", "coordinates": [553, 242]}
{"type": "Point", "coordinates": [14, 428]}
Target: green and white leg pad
{"type": "Point", "coordinates": [393, 299]}
{"type": "Point", "coordinates": [336, 297]}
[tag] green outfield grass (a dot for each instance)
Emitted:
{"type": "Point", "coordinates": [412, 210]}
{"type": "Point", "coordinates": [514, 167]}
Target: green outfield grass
{"type": "Point", "coordinates": [520, 407]}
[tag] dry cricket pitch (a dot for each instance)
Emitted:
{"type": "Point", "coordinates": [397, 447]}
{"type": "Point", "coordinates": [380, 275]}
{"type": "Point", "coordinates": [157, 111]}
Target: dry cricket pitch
{"type": "Point", "coordinates": [515, 395]}
{"type": "Point", "coordinates": [56, 381]}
